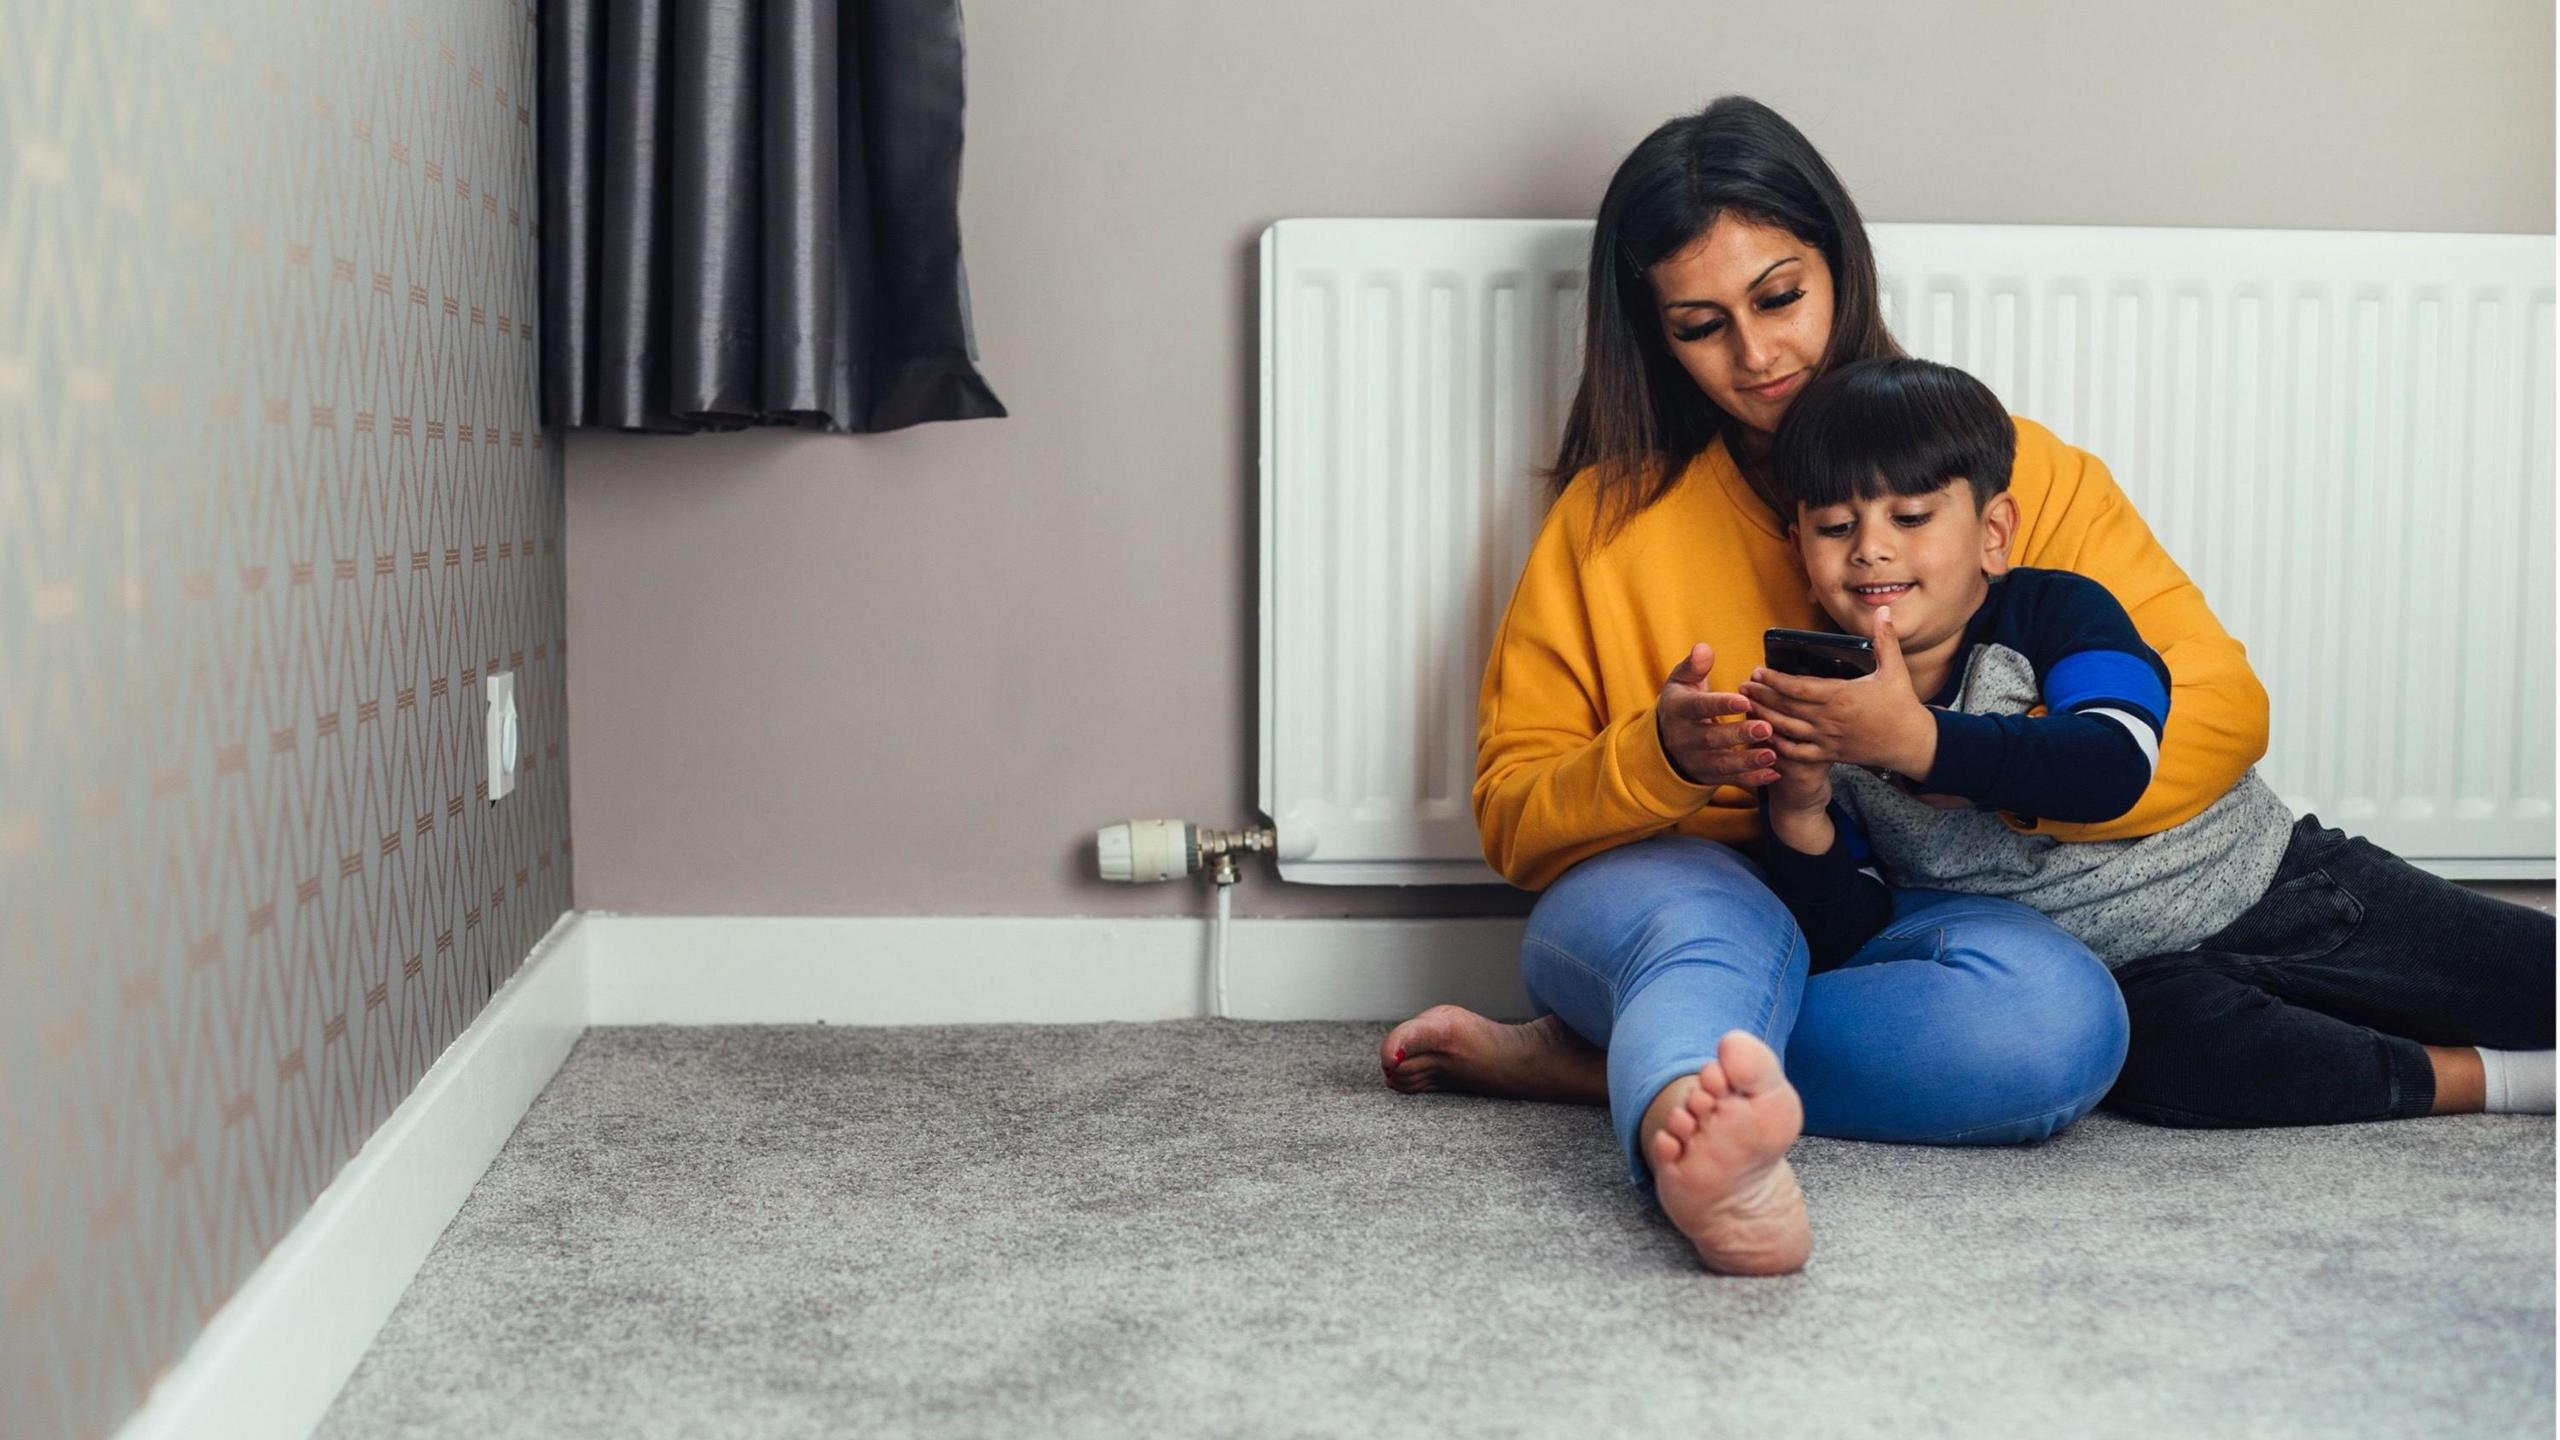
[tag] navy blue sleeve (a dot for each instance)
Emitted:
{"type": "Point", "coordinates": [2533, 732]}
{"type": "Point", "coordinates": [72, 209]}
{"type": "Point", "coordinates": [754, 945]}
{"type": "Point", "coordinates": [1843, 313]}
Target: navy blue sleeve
{"type": "Point", "coordinates": [1837, 904]}
{"type": "Point", "coordinates": [2106, 697]}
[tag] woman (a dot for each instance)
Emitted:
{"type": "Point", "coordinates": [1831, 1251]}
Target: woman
{"type": "Point", "coordinates": [1728, 267]}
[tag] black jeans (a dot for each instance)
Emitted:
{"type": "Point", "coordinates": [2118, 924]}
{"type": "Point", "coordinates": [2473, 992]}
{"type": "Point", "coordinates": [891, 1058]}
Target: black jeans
{"type": "Point", "coordinates": [2313, 1006]}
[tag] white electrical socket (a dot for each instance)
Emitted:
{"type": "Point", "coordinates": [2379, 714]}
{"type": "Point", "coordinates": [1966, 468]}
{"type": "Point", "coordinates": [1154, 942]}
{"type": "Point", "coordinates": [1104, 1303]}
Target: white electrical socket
{"type": "Point", "coordinates": [502, 734]}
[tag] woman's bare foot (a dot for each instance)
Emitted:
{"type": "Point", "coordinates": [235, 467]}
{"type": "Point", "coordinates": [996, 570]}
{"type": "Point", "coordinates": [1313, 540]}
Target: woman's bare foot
{"type": "Point", "coordinates": [1450, 1048]}
{"type": "Point", "coordinates": [1717, 1142]}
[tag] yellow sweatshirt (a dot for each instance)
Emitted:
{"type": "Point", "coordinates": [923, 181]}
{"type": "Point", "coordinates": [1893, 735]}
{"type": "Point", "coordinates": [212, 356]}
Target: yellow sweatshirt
{"type": "Point", "coordinates": [1568, 759]}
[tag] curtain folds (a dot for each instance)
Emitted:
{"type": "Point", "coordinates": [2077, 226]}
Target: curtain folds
{"type": "Point", "coordinates": [751, 216]}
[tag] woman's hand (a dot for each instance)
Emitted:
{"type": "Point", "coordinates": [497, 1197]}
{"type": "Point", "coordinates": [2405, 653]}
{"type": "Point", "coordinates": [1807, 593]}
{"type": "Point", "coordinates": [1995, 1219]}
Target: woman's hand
{"type": "Point", "coordinates": [1876, 721]}
{"type": "Point", "coordinates": [1699, 731]}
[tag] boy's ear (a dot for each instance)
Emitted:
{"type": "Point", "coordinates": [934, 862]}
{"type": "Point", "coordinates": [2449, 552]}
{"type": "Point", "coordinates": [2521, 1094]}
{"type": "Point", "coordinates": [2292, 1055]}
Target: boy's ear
{"type": "Point", "coordinates": [1999, 524]}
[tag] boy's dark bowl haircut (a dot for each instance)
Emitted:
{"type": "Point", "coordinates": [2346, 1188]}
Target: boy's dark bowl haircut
{"type": "Point", "coordinates": [1894, 425]}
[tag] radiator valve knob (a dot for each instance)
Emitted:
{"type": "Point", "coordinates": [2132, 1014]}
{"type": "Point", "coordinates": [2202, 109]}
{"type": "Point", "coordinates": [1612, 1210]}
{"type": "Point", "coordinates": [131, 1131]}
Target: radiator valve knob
{"type": "Point", "coordinates": [1141, 850]}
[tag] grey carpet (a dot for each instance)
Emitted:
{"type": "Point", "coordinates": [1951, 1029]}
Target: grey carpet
{"type": "Point", "coordinates": [1218, 1228]}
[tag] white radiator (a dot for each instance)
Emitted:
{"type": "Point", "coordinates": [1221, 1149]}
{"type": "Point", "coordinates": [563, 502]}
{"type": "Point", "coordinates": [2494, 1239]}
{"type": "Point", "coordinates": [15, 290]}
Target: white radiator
{"type": "Point", "coordinates": [2346, 439]}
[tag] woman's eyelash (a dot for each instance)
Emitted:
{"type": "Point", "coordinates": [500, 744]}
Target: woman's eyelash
{"type": "Point", "coordinates": [1774, 302]}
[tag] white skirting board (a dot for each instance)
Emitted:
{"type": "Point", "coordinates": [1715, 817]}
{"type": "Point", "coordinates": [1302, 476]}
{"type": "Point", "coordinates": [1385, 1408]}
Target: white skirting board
{"type": "Point", "coordinates": [280, 1348]}
{"type": "Point", "coordinates": [988, 970]}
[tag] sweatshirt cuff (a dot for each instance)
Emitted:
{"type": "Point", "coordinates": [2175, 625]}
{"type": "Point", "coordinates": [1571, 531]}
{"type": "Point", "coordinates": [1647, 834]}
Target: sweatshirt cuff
{"type": "Point", "coordinates": [1968, 760]}
{"type": "Point", "coordinates": [1794, 875]}
{"type": "Point", "coordinates": [1646, 768]}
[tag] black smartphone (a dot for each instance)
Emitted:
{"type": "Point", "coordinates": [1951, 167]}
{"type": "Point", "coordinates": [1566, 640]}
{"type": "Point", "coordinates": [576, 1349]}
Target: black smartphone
{"type": "Point", "coordinates": [1820, 653]}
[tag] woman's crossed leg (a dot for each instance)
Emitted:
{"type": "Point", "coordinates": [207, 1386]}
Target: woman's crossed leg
{"type": "Point", "coordinates": [1966, 1021]}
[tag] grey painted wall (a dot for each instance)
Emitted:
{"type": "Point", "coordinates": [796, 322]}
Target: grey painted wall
{"type": "Point", "coordinates": [910, 674]}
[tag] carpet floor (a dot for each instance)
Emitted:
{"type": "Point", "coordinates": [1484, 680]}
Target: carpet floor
{"type": "Point", "coordinates": [1220, 1228]}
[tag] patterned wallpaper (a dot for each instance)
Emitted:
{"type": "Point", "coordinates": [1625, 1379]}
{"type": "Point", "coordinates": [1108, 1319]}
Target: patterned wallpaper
{"type": "Point", "coordinates": [274, 499]}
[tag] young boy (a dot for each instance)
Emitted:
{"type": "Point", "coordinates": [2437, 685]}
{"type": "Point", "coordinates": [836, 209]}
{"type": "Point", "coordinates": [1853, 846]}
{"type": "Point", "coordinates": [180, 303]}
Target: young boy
{"type": "Point", "coordinates": [2276, 972]}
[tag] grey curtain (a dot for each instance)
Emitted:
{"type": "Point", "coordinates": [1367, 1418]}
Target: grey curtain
{"type": "Point", "coordinates": [750, 215]}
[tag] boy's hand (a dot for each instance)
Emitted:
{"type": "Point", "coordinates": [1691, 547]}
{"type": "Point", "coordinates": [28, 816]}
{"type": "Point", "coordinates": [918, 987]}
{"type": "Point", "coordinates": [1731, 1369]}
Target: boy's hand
{"type": "Point", "coordinates": [1800, 821]}
{"type": "Point", "coordinates": [1800, 807]}
{"type": "Point", "coordinates": [1801, 785]}
{"type": "Point", "coordinates": [1877, 721]}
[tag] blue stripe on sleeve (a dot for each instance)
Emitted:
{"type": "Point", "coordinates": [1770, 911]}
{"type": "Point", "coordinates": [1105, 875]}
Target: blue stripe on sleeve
{"type": "Point", "coordinates": [2090, 676]}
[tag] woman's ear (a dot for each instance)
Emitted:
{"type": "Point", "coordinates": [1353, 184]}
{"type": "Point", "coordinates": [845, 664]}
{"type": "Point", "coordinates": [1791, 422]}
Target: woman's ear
{"type": "Point", "coordinates": [1999, 524]}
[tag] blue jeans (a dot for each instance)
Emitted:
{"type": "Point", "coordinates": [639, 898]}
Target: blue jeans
{"type": "Point", "coordinates": [1968, 1021]}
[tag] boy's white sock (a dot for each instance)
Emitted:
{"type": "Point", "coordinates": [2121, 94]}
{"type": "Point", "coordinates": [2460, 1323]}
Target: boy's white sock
{"type": "Point", "coordinates": [2520, 1081]}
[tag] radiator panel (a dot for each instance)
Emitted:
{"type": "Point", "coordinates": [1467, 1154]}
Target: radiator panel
{"type": "Point", "coordinates": [2346, 439]}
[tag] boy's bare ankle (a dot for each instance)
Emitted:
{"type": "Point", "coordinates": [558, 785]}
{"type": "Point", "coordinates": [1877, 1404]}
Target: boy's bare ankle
{"type": "Point", "coordinates": [2462, 1085]}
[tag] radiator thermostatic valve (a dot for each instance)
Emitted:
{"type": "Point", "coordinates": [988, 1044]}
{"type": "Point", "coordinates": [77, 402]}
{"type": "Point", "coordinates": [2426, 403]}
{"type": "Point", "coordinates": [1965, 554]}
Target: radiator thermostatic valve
{"type": "Point", "coordinates": [1165, 849]}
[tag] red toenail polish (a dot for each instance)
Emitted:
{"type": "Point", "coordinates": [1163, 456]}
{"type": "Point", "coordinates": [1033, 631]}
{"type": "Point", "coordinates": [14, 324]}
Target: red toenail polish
{"type": "Point", "coordinates": [1399, 1056]}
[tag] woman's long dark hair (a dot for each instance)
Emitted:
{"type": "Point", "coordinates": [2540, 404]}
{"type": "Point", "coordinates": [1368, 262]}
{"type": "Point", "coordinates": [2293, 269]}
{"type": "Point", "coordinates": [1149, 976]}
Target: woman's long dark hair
{"type": "Point", "coordinates": [1638, 416]}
